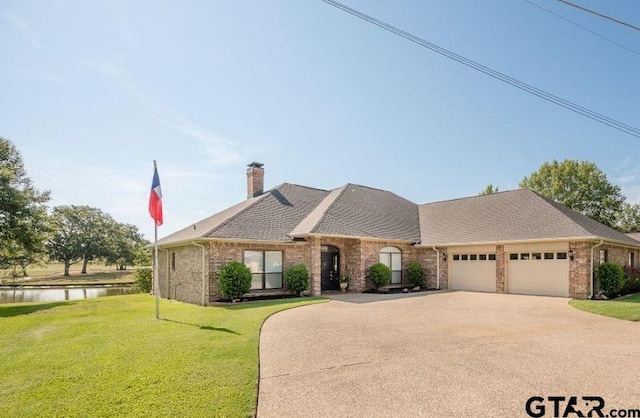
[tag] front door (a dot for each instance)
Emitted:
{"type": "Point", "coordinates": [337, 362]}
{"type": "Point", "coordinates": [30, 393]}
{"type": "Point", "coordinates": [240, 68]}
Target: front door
{"type": "Point", "coordinates": [329, 268]}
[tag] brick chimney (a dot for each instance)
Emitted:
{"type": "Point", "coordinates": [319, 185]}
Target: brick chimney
{"type": "Point", "coordinates": [255, 179]}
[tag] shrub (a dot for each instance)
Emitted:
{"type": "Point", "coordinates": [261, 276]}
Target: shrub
{"type": "Point", "coordinates": [631, 281]}
{"type": "Point", "coordinates": [297, 278]}
{"type": "Point", "coordinates": [234, 280]}
{"type": "Point", "coordinates": [415, 274]}
{"type": "Point", "coordinates": [611, 278]}
{"type": "Point", "coordinates": [144, 279]}
{"type": "Point", "coordinates": [380, 275]}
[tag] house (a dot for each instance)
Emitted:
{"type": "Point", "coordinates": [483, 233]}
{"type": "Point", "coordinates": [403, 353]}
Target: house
{"type": "Point", "coordinates": [509, 242]}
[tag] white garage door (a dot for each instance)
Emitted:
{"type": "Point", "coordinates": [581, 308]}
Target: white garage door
{"type": "Point", "coordinates": [542, 271]}
{"type": "Point", "coordinates": [473, 268]}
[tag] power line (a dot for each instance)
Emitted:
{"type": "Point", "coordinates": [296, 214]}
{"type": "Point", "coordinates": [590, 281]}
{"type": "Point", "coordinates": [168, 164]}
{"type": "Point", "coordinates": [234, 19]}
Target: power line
{"type": "Point", "coordinates": [598, 117]}
{"type": "Point", "coordinates": [584, 28]}
{"type": "Point", "coordinates": [568, 3]}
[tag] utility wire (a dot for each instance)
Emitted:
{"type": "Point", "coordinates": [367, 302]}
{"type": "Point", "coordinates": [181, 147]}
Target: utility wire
{"type": "Point", "coordinates": [568, 3]}
{"type": "Point", "coordinates": [598, 117]}
{"type": "Point", "coordinates": [583, 28]}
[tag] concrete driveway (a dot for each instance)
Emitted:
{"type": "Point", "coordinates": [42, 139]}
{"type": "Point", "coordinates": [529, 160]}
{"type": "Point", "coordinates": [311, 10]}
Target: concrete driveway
{"type": "Point", "coordinates": [444, 354]}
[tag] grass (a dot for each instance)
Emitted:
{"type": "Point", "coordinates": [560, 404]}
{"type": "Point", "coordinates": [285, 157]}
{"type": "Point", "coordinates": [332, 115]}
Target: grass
{"type": "Point", "coordinates": [627, 308]}
{"type": "Point", "coordinates": [110, 357]}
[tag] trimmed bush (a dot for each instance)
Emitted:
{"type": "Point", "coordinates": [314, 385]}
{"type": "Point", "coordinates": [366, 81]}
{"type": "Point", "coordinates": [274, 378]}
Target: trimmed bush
{"type": "Point", "coordinates": [611, 279]}
{"type": "Point", "coordinates": [297, 278]}
{"type": "Point", "coordinates": [234, 280]}
{"type": "Point", "coordinates": [631, 281]}
{"type": "Point", "coordinates": [380, 275]}
{"type": "Point", "coordinates": [144, 279]}
{"type": "Point", "coordinates": [415, 274]}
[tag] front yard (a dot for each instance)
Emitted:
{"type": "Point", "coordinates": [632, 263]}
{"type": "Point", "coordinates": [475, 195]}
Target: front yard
{"type": "Point", "coordinates": [110, 357]}
{"type": "Point", "coordinates": [627, 308]}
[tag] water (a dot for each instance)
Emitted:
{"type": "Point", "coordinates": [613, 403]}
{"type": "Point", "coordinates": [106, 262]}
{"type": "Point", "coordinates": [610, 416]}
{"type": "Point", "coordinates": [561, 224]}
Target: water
{"type": "Point", "coordinates": [60, 294]}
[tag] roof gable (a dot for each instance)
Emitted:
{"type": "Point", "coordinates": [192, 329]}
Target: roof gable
{"type": "Point", "coordinates": [364, 212]}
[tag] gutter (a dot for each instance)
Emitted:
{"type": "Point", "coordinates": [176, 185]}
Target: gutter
{"type": "Point", "coordinates": [591, 266]}
{"type": "Point", "coordinates": [437, 267]}
{"type": "Point", "coordinates": [204, 281]}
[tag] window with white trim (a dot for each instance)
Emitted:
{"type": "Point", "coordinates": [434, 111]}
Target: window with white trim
{"type": "Point", "coordinates": [266, 268]}
{"type": "Point", "coordinates": [392, 258]}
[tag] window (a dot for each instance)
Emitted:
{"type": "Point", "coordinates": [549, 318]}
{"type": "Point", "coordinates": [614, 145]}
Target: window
{"type": "Point", "coordinates": [456, 257]}
{"type": "Point", "coordinates": [464, 257]}
{"type": "Point", "coordinates": [536, 256]}
{"type": "Point", "coordinates": [473, 257]}
{"type": "Point", "coordinates": [632, 259]}
{"type": "Point", "coordinates": [482, 257]}
{"type": "Point", "coordinates": [603, 256]}
{"type": "Point", "coordinates": [266, 269]}
{"type": "Point", "coordinates": [173, 261]}
{"type": "Point", "coordinates": [524, 256]}
{"type": "Point", "coordinates": [561, 256]}
{"type": "Point", "coordinates": [548, 256]}
{"type": "Point", "coordinates": [513, 256]}
{"type": "Point", "coordinates": [392, 258]}
{"type": "Point", "coordinates": [492, 257]}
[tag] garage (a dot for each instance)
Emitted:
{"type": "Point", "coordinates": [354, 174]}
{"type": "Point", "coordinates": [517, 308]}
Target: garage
{"type": "Point", "coordinates": [473, 268]}
{"type": "Point", "coordinates": [538, 269]}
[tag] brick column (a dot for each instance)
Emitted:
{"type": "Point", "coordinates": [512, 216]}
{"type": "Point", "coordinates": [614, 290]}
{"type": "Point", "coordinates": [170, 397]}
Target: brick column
{"type": "Point", "coordinates": [314, 260]}
{"type": "Point", "coordinates": [500, 270]}
{"type": "Point", "coordinates": [579, 270]}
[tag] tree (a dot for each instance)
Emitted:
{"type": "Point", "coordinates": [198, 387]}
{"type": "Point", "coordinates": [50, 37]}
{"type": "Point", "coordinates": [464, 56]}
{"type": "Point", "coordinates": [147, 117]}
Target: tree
{"type": "Point", "coordinates": [80, 233]}
{"type": "Point", "coordinates": [23, 212]}
{"type": "Point", "coordinates": [629, 218]}
{"type": "Point", "coordinates": [490, 189]}
{"type": "Point", "coordinates": [579, 185]}
{"type": "Point", "coordinates": [126, 246]}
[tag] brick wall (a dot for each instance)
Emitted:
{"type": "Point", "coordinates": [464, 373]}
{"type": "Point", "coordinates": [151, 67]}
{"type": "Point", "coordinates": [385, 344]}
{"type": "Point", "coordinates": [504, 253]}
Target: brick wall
{"type": "Point", "coordinates": [500, 270]}
{"type": "Point", "coordinates": [580, 270]}
{"type": "Point", "coordinates": [184, 280]}
{"type": "Point", "coordinates": [222, 253]}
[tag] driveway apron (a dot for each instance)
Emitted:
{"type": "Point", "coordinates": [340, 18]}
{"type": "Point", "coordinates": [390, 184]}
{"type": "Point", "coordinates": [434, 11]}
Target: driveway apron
{"type": "Point", "coordinates": [443, 354]}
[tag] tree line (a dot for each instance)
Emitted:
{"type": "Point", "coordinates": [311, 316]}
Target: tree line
{"type": "Point", "coordinates": [31, 232]}
{"type": "Point", "coordinates": [583, 187]}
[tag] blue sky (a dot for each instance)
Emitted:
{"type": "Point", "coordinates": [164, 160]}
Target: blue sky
{"type": "Point", "coordinates": [93, 92]}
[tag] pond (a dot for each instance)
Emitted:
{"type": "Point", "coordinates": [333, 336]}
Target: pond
{"type": "Point", "coordinates": [60, 294]}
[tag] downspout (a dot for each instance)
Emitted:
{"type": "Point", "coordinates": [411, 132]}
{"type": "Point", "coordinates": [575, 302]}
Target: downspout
{"type": "Point", "coordinates": [168, 292]}
{"type": "Point", "coordinates": [204, 280]}
{"type": "Point", "coordinates": [437, 267]}
{"type": "Point", "coordinates": [591, 265]}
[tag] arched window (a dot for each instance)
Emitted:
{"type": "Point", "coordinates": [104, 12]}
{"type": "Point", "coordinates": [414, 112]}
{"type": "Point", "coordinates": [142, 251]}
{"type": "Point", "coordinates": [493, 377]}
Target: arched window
{"type": "Point", "coordinates": [392, 258]}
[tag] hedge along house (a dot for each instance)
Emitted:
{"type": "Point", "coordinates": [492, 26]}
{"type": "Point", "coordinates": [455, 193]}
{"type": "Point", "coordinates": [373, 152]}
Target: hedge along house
{"type": "Point", "coordinates": [509, 242]}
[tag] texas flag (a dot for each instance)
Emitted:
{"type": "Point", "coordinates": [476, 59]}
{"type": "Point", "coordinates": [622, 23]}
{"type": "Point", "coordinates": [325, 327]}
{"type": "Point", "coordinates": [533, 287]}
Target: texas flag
{"type": "Point", "coordinates": [155, 198]}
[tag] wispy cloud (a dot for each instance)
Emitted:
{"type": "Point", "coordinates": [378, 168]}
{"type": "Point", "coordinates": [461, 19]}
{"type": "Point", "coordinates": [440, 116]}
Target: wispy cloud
{"type": "Point", "coordinates": [24, 27]}
{"type": "Point", "coordinates": [217, 149]}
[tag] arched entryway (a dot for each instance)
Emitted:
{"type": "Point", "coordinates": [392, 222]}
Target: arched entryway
{"type": "Point", "coordinates": [329, 268]}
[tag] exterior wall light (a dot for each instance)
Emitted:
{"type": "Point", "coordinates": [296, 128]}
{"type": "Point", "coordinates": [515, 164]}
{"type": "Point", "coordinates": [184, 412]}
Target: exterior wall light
{"type": "Point", "coordinates": [570, 254]}
{"type": "Point", "coordinates": [444, 256]}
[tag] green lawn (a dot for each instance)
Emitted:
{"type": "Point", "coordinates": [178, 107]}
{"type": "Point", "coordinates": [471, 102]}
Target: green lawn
{"type": "Point", "coordinates": [627, 308]}
{"type": "Point", "coordinates": [110, 357]}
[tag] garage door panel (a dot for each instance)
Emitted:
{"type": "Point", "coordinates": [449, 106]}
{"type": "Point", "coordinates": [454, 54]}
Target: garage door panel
{"type": "Point", "coordinates": [538, 277]}
{"type": "Point", "coordinates": [473, 275]}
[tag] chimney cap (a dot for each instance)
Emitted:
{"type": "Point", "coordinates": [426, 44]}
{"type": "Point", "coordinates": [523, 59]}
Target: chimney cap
{"type": "Point", "coordinates": [255, 164]}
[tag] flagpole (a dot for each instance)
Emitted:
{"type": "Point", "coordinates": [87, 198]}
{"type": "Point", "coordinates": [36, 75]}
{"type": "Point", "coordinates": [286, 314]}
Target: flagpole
{"type": "Point", "coordinates": [156, 284]}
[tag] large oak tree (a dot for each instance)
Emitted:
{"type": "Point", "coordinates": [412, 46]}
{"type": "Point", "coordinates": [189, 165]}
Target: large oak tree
{"type": "Point", "coordinates": [579, 185]}
{"type": "Point", "coordinates": [23, 212]}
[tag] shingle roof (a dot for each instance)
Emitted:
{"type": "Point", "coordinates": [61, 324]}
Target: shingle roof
{"type": "Point", "coordinates": [359, 211]}
{"type": "Point", "coordinates": [273, 217]}
{"type": "Point", "coordinates": [634, 235]}
{"type": "Point", "coordinates": [518, 215]}
{"type": "Point", "coordinates": [270, 216]}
